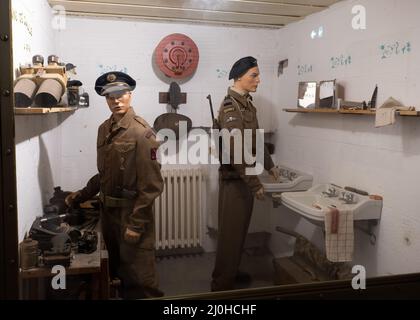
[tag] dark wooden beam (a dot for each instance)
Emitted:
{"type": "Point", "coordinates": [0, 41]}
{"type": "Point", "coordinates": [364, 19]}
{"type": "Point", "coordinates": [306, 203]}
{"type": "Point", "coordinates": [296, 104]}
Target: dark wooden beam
{"type": "Point", "coordinates": [404, 286]}
{"type": "Point", "coordinates": [8, 215]}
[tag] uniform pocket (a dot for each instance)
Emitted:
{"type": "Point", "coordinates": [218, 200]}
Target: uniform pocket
{"type": "Point", "coordinates": [124, 154]}
{"type": "Point", "coordinates": [249, 116]}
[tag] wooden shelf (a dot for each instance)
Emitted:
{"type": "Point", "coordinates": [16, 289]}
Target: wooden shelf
{"type": "Point", "coordinates": [414, 113]}
{"type": "Point", "coordinates": [27, 111]}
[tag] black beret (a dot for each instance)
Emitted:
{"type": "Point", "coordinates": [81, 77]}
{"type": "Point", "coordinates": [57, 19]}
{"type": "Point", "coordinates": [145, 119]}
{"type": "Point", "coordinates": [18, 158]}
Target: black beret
{"type": "Point", "coordinates": [114, 82]}
{"type": "Point", "coordinates": [241, 66]}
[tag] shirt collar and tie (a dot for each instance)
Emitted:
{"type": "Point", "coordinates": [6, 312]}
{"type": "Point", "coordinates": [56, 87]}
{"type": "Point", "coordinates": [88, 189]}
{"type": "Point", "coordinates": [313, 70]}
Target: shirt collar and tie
{"type": "Point", "coordinates": [124, 122]}
{"type": "Point", "coordinates": [243, 98]}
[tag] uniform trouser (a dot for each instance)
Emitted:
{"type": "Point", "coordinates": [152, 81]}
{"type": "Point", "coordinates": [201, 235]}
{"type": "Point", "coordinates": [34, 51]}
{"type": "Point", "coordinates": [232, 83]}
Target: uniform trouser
{"type": "Point", "coordinates": [235, 208]}
{"type": "Point", "coordinates": [134, 264]}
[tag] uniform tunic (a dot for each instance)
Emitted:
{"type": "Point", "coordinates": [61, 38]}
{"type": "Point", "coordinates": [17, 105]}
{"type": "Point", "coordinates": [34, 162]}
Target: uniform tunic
{"type": "Point", "coordinates": [236, 191]}
{"type": "Point", "coordinates": [129, 180]}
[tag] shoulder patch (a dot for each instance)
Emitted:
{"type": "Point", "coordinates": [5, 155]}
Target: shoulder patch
{"type": "Point", "coordinates": [230, 109]}
{"type": "Point", "coordinates": [227, 102]}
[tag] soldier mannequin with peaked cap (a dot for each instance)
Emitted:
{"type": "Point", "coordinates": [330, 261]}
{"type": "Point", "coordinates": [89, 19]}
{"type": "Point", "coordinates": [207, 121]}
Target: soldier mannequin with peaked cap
{"type": "Point", "coordinates": [129, 180]}
{"type": "Point", "coordinates": [236, 189]}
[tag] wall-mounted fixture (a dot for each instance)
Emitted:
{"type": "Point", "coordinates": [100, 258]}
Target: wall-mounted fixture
{"type": "Point", "coordinates": [325, 94]}
{"type": "Point", "coordinates": [289, 180]}
{"type": "Point", "coordinates": [311, 204]}
{"type": "Point", "coordinates": [171, 120]}
{"type": "Point", "coordinates": [177, 56]}
{"type": "Point", "coordinates": [282, 65]}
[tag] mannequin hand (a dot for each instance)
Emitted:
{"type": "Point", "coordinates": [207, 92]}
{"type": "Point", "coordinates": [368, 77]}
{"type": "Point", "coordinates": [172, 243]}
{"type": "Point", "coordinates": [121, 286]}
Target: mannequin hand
{"type": "Point", "coordinates": [260, 194]}
{"type": "Point", "coordinates": [131, 236]}
{"type": "Point", "coordinates": [71, 198]}
{"type": "Point", "coordinates": [275, 172]}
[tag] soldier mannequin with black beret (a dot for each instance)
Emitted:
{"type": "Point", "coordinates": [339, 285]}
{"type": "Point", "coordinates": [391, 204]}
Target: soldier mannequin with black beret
{"type": "Point", "coordinates": [129, 180]}
{"type": "Point", "coordinates": [236, 189]}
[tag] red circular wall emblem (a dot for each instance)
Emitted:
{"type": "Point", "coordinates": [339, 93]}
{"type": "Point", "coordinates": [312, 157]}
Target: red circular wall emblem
{"type": "Point", "coordinates": [177, 56]}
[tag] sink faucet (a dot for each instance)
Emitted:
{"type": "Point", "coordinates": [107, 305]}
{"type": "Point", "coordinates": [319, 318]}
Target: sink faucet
{"type": "Point", "coordinates": [348, 198]}
{"type": "Point", "coordinates": [331, 192]}
{"type": "Point", "coordinates": [292, 176]}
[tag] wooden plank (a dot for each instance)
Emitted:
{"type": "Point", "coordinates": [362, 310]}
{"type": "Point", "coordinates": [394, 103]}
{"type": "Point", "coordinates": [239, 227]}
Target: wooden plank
{"type": "Point", "coordinates": [414, 113]}
{"type": "Point", "coordinates": [27, 111]}
{"type": "Point", "coordinates": [81, 264]}
{"type": "Point", "coordinates": [360, 112]}
{"type": "Point", "coordinates": [241, 6]}
{"type": "Point", "coordinates": [45, 272]}
{"type": "Point", "coordinates": [317, 3]}
{"type": "Point", "coordinates": [302, 110]}
{"type": "Point", "coordinates": [178, 14]}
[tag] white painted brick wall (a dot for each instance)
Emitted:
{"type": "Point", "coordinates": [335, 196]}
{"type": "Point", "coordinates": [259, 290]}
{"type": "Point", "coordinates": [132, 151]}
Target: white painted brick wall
{"type": "Point", "coordinates": [129, 46]}
{"type": "Point", "coordinates": [38, 138]}
{"type": "Point", "coordinates": [342, 149]}
{"type": "Point", "coordinates": [348, 150]}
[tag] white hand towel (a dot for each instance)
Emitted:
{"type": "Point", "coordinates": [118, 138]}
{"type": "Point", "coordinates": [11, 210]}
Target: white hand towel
{"type": "Point", "coordinates": [385, 117]}
{"type": "Point", "coordinates": [385, 114]}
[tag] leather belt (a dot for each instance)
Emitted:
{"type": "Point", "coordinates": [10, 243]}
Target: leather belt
{"type": "Point", "coordinates": [114, 202]}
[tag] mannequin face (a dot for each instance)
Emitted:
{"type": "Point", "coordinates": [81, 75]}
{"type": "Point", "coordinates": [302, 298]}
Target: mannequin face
{"type": "Point", "coordinates": [119, 103]}
{"type": "Point", "coordinates": [249, 81]}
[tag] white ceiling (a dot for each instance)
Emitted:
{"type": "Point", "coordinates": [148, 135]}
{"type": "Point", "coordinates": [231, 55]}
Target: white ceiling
{"type": "Point", "coordinates": [257, 13]}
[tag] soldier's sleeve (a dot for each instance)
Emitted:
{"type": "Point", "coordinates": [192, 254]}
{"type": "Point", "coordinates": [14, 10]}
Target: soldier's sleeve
{"type": "Point", "coordinates": [268, 161]}
{"type": "Point", "coordinates": [149, 180]}
{"type": "Point", "coordinates": [230, 118]}
{"type": "Point", "coordinates": [91, 189]}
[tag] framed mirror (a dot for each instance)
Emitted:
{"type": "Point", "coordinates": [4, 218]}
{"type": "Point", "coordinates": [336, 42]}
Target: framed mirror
{"type": "Point", "coordinates": [327, 94]}
{"type": "Point", "coordinates": [307, 95]}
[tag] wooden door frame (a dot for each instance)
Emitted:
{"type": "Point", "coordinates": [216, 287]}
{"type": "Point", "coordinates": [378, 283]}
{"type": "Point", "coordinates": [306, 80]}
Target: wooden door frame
{"type": "Point", "coordinates": [9, 288]}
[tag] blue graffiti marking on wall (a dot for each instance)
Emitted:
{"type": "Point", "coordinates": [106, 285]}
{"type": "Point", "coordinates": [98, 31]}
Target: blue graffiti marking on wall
{"type": "Point", "coordinates": [21, 18]}
{"type": "Point", "coordinates": [302, 69]}
{"type": "Point", "coordinates": [395, 49]}
{"type": "Point", "coordinates": [340, 61]}
{"type": "Point", "coordinates": [221, 73]}
{"type": "Point", "coordinates": [104, 69]}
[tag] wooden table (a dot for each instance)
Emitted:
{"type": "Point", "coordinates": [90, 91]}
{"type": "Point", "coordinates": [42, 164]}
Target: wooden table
{"type": "Point", "coordinates": [94, 264]}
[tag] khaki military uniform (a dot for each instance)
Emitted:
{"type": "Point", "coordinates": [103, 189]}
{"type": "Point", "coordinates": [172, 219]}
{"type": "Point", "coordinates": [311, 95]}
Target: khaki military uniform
{"type": "Point", "coordinates": [129, 180]}
{"type": "Point", "coordinates": [236, 192]}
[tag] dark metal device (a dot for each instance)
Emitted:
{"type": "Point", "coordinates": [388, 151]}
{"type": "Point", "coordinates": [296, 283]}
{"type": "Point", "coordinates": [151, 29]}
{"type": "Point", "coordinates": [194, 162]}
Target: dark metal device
{"type": "Point", "coordinates": [172, 120]}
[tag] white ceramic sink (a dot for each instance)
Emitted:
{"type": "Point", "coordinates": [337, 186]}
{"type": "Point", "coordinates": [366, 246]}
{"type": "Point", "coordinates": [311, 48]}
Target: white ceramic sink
{"type": "Point", "coordinates": [312, 203]}
{"type": "Point", "coordinates": [290, 180]}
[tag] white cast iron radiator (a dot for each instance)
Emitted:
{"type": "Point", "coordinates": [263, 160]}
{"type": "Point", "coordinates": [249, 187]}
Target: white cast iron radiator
{"type": "Point", "coordinates": [178, 211]}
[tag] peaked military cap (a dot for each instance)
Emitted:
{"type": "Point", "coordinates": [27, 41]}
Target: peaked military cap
{"type": "Point", "coordinates": [112, 82]}
{"type": "Point", "coordinates": [241, 66]}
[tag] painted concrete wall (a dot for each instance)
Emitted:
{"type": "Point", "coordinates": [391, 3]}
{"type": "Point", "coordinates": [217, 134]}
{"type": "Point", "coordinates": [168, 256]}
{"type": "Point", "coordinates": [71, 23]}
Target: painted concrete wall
{"type": "Point", "coordinates": [97, 45]}
{"type": "Point", "coordinates": [38, 138]}
{"type": "Point", "coordinates": [348, 150]}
